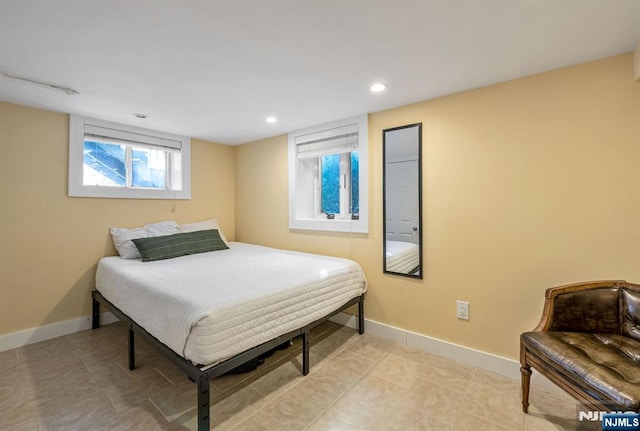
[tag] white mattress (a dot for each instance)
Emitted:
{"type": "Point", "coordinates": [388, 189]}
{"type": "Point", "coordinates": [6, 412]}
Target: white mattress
{"type": "Point", "coordinates": [211, 306]}
{"type": "Point", "coordinates": [402, 257]}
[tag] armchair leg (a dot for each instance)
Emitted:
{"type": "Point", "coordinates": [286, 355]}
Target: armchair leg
{"type": "Point", "coordinates": [525, 372]}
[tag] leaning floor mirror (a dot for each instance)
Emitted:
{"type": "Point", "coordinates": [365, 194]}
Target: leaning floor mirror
{"type": "Point", "coordinates": [402, 200]}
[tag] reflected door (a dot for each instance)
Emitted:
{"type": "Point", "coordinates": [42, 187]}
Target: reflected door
{"type": "Point", "coordinates": [401, 191]}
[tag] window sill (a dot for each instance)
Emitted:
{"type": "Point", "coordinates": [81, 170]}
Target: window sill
{"type": "Point", "coordinates": [335, 225]}
{"type": "Point", "coordinates": [125, 193]}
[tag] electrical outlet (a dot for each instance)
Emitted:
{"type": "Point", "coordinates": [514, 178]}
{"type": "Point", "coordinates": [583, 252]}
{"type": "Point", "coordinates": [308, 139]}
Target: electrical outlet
{"type": "Point", "coordinates": [462, 310]}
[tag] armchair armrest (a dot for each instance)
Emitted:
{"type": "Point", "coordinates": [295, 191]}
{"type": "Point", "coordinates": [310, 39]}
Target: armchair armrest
{"type": "Point", "coordinates": [582, 307]}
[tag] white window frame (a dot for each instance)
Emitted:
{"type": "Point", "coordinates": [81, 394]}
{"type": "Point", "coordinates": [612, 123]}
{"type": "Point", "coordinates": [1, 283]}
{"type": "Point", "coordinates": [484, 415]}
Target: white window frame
{"type": "Point", "coordinates": [305, 184]}
{"type": "Point", "coordinates": [77, 127]}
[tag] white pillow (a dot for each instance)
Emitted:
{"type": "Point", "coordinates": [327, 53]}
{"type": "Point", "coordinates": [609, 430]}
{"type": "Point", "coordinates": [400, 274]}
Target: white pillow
{"type": "Point", "coordinates": [204, 225]}
{"type": "Point", "coordinates": [122, 236]}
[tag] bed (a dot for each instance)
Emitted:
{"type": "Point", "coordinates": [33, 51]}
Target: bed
{"type": "Point", "coordinates": [211, 312]}
{"type": "Point", "coordinates": [402, 257]}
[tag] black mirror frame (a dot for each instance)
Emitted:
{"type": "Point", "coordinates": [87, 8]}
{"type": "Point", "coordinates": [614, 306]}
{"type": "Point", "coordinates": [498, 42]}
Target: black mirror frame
{"type": "Point", "coordinates": [420, 274]}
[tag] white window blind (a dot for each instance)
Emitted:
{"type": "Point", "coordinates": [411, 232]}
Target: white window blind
{"type": "Point", "coordinates": [335, 145]}
{"type": "Point", "coordinates": [115, 136]}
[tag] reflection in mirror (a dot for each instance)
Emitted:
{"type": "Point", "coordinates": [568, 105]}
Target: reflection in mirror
{"type": "Point", "coordinates": [402, 200]}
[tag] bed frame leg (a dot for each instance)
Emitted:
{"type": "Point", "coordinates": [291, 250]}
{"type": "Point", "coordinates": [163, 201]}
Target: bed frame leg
{"type": "Point", "coordinates": [305, 353]}
{"type": "Point", "coordinates": [361, 316]}
{"type": "Point", "coordinates": [203, 403]}
{"type": "Point", "coordinates": [132, 352]}
{"type": "Point", "coordinates": [95, 316]}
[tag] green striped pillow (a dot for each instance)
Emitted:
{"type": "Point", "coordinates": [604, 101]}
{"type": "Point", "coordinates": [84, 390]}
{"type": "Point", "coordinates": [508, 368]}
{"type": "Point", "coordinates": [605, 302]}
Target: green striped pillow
{"type": "Point", "coordinates": [179, 244]}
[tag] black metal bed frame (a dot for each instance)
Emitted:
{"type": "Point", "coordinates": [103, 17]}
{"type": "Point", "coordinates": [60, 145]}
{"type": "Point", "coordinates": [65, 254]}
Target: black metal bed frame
{"type": "Point", "coordinates": [202, 374]}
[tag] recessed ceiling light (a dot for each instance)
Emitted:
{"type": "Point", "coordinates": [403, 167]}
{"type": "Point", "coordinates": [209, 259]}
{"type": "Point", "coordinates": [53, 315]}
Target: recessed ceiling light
{"type": "Point", "coordinates": [271, 120]}
{"type": "Point", "coordinates": [377, 88]}
{"type": "Point", "coordinates": [140, 115]}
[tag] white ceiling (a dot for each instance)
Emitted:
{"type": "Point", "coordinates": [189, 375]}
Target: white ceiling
{"type": "Point", "coordinates": [215, 69]}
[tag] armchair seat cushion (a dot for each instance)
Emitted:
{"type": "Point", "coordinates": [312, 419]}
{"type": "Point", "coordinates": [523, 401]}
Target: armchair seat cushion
{"type": "Point", "coordinates": [608, 364]}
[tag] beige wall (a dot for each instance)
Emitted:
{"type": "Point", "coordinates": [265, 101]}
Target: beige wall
{"type": "Point", "coordinates": [527, 184]}
{"type": "Point", "coordinates": [50, 243]}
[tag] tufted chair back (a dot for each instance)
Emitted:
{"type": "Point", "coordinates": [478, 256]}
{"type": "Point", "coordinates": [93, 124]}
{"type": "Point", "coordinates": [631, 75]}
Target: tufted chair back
{"type": "Point", "coordinates": [608, 307]}
{"type": "Point", "coordinates": [630, 311]}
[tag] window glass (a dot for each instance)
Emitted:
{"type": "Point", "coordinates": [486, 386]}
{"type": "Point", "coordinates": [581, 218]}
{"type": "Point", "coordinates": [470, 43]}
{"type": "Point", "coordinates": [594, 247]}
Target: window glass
{"type": "Point", "coordinates": [330, 167]}
{"type": "Point", "coordinates": [149, 168]}
{"type": "Point", "coordinates": [104, 164]}
{"type": "Point", "coordinates": [355, 180]}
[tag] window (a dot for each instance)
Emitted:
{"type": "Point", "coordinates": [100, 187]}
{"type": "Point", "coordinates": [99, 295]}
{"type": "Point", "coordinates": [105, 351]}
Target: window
{"type": "Point", "coordinates": [328, 177]}
{"type": "Point", "coordinates": [117, 161]}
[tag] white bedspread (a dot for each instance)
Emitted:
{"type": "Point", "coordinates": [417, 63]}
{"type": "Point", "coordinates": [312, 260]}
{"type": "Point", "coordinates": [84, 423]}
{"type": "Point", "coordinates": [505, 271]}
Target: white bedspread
{"type": "Point", "coordinates": [208, 307]}
{"type": "Point", "coordinates": [402, 257]}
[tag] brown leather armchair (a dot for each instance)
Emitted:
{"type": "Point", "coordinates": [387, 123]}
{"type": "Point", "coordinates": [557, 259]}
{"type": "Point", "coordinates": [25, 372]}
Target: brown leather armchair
{"type": "Point", "coordinates": [588, 343]}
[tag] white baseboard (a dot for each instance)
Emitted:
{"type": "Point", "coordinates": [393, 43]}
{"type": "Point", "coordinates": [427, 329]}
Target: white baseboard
{"type": "Point", "coordinates": [42, 333]}
{"type": "Point", "coordinates": [465, 355]}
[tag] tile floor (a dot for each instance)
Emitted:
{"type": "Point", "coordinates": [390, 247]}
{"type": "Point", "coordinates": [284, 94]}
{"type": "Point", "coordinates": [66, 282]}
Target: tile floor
{"type": "Point", "coordinates": [357, 382]}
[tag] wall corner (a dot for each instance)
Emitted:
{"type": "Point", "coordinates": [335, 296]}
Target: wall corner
{"type": "Point", "coordinates": [636, 63]}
